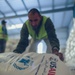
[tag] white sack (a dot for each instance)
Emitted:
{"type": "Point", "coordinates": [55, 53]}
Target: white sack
{"type": "Point", "coordinates": [32, 64]}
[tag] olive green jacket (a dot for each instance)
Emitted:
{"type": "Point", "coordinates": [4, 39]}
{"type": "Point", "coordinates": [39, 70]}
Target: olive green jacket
{"type": "Point", "coordinates": [3, 33]}
{"type": "Point", "coordinates": [24, 41]}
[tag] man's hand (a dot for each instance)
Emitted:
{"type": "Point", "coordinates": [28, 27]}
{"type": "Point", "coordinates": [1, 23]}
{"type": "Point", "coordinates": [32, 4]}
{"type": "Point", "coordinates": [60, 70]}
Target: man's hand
{"type": "Point", "coordinates": [55, 51]}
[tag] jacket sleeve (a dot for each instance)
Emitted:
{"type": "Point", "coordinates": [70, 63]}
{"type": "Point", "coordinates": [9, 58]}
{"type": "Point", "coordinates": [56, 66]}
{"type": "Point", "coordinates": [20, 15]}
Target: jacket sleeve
{"type": "Point", "coordinates": [23, 42]}
{"type": "Point", "coordinates": [52, 35]}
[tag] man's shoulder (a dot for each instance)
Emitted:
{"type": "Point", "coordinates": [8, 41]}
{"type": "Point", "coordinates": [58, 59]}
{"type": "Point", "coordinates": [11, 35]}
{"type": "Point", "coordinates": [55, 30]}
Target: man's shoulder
{"type": "Point", "coordinates": [26, 22]}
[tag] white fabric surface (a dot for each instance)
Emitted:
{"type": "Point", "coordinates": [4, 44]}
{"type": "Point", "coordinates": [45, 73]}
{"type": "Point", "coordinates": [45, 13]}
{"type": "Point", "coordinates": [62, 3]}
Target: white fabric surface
{"type": "Point", "coordinates": [32, 64]}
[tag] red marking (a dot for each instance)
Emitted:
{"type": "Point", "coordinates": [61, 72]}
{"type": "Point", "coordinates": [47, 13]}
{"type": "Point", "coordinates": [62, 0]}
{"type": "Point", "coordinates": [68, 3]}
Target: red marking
{"type": "Point", "coordinates": [52, 71]}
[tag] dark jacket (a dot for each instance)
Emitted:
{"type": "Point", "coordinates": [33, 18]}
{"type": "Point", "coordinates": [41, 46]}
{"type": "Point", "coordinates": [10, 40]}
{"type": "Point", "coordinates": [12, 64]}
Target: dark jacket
{"type": "Point", "coordinates": [23, 43]}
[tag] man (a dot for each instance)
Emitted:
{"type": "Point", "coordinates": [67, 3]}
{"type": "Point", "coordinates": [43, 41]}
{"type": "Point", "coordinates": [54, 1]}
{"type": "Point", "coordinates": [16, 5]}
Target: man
{"type": "Point", "coordinates": [40, 28]}
{"type": "Point", "coordinates": [3, 36]}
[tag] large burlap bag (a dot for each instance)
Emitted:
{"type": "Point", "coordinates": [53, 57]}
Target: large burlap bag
{"type": "Point", "coordinates": [32, 64]}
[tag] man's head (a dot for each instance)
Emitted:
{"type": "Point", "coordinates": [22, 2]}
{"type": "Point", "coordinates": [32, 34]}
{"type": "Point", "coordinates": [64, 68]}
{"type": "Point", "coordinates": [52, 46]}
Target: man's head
{"type": "Point", "coordinates": [34, 17]}
{"type": "Point", "coordinates": [3, 22]}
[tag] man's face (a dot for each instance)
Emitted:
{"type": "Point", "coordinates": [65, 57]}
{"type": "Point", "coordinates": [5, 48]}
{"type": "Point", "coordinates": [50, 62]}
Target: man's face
{"type": "Point", "coordinates": [34, 19]}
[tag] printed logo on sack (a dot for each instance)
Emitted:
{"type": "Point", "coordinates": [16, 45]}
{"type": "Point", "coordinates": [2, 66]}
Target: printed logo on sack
{"type": "Point", "coordinates": [52, 70]}
{"type": "Point", "coordinates": [23, 63]}
{"type": "Point", "coordinates": [50, 66]}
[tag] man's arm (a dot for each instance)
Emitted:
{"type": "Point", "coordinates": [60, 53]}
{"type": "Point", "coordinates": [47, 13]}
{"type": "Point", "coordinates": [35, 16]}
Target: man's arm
{"type": "Point", "coordinates": [52, 36]}
{"type": "Point", "coordinates": [23, 43]}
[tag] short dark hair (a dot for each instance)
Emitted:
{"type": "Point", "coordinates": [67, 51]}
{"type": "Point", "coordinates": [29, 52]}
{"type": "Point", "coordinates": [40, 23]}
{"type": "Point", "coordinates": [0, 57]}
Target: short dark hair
{"type": "Point", "coordinates": [34, 10]}
{"type": "Point", "coordinates": [3, 22]}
